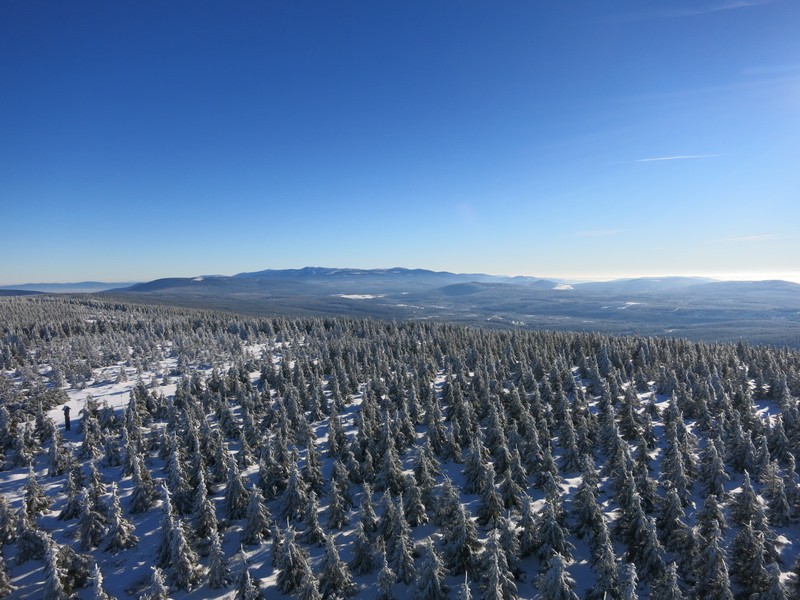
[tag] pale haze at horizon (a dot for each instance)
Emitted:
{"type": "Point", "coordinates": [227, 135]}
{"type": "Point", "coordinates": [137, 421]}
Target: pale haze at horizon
{"type": "Point", "coordinates": [571, 140]}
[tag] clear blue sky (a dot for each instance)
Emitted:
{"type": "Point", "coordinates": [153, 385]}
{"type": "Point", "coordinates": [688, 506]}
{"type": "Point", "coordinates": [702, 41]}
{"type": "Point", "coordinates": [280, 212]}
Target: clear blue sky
{"type": "Point", "coordinates": [176, 138]}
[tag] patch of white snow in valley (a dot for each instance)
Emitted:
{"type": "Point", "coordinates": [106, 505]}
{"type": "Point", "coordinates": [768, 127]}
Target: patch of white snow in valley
{"type": "Point", "coordinates": [360, 296]}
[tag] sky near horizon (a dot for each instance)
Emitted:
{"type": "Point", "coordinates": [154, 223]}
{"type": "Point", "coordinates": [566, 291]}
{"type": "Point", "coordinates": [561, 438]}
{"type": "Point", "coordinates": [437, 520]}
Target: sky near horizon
{"type": "Point", "coordinates": [572, 139]}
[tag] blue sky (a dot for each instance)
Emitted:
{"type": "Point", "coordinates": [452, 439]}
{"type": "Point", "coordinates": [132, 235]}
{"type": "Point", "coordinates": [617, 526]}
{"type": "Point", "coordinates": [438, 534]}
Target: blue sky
{"type": "Point", "coordinates": [563, 139]}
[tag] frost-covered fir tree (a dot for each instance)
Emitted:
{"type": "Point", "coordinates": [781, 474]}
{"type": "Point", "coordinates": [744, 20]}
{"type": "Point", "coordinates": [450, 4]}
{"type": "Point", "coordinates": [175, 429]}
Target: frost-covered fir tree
{"type": "Point", "coordinates": [366, 512]}
{"type": "Point", "coordinates": [35, 500]}
{"type": "Point", "coordinates": [628, 580]}
{"type": "Point", "coordinates": [292, 563]}
{"type": "Point", "coordinates": [713, 580]}
{"type": "Point", "coordinates": [313, 532]}
{"type": "Point", "coordinates": [184, 570]}
{"type": "Point", "coordinates": [72, 507]}
{"type": "Point", "coordinates": [143, 496]}
{"type": "Point", "coordinates": [5, 581]}
{"type": "Point", "coordinates": [431, 573]}
{"type": "Point", "coordinates": [401, 550]}
{"type": "Point", "coordinates": [99, 591]}
{"type": "Point", "coordinates": [667, 587]}
{"type": "Point", "coordinates": [203, 520]}
{"type": "Point", "coordinates": [157, 590]}
{"type": "Point", "coordinates": [386, 580]}
{"type": "Point", "coordinates": [236, 495]}
{"type": "Point", "coordinates": [219, 573]}
{"type": "Point", "coordinates": [363, 561]}
{"type": "Point", "coordinates": [8, 522]}
{"type": "Point", "coordinates": [120, 530]}
{"type": "Point", "coordinates": [32, 543]}
{"type": "Point", "coordinates": [550, 538]}
{"type": "Point", "coordinates": [460, 543]}
{"type": "Point", "coordinates": [490, 506]}
{"type": "Point", "coordinates": [246, 587]}
{"type": "Point", "coordinates": [776, 589]}
{"type": "Point", "coordinates": [555, 583]}
{"type": "Point", "coordinates": [258, 519]}
{"type": "Point", "coordinates": [53, 575]}
{"type": "Point", "coordinates": [335, 580]}
{"type": "Point", "coordinates": [747, 561]}
{"type": "Point", "coordinates": [337, 511]}
{"type": "Point", "coordinates": [497, 578]}
{"type": "Point", "coordinates": [604, 564]}
{"type": "Point", "coordinates": [413, 507]}
{"type": "Point", "coordinates": [295, 498]}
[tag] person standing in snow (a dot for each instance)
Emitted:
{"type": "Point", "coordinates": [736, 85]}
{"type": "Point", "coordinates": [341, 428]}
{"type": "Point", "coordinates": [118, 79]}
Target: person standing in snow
{"type": "Point", "coordinates": [66, 418]}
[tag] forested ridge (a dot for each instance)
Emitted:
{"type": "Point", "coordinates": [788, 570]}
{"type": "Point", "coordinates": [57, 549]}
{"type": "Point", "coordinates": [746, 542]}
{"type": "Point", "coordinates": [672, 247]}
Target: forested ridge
{"type": "Point", "coordinates": [217, 455]}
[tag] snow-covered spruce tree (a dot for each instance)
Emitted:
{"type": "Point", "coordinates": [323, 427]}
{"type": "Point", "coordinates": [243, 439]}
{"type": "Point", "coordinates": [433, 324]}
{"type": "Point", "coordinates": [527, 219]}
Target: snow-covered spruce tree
{"type": "Point", "coordinates": [549, 536]}
{"type": "Point", "coordinates": [257, 525]}
{"type": "Point", "coordinates": [157, 590]}
{"type": "Point", "coordinates": [747, 561]}
{"type": "Point", "coordinates": [712, 475]}
{"type": "Point", "coordinates": [475, 465]}
{"type": "Point", "coordinates": [390, 475]}
{"type": "Point", "coordinates": [91, 524]}
{"type": "Point", "coordinates": [8, 522]}
{"type": "Point", "coordinates": [32, 542]}
{"type": "Point", "coordinates": [295, 497]}
{"type": "Point", "coordinates": [53, 575]}
{"type": "Point", "coordinates": [604, 564]}
{"type": "Point", "coordinates": [335, 579]}
{"type": "Point", "coordinates": [246, 587]}
{"type": "Point", "coordinates": [711, 571]}
{"type": "Point", "coordinates": [163, 552]}
{"type": "Point", "coordinates": [337, 511]}
{"type": "Point", "coordinates": [236, 495]}
{"type": "Point", "coordinates": [184, 570]}
{"type": "Point", "coordinates": [176, 479]}
{"type": "Point", "coordinates": [5, 581]}
{"type": "Point", "coordinates": [203, 520]}
{"type": "Point", "coordinates": [313, 532]}
{"type": "Point", "coordinates": [58, 461]}
{"type": "Point", "coordinates": [366, 512]}
{"type": "Point", "coordinates": [72, 508]}
{"type": "Point", "coordinates": [143, 496]}
{"type": "Point", "coordinates": [497, 581]}
{"type": "Point", "coordinates": [510, 544]}
{"type": "Point", "coordinates": [99, 591]}
{"type": "Point", "coordinates": [585, 509]}
{"type": "Point", "coordinates": [430, 581]}
{"type": "Point", "coordinates": [776, 589]}
{"type": "Point", "coordinates": [219, 573]}
{"type": "Point", "coordinates": [363, 561]}
{"type": "Point", "coordinates": [779, 510]}
{"type": "Point", "coordinates": [555, 583]}
{"type": "Point", "coordinates": [667, 587]}
{"type": "Point", "coordinates": [400, 547]}
{"type": "Point", "coordinates": [447, 504]}
{"type": "Point", "coordinates": [460, 543]}
{"type": "Point", "coordinates": [413, 507]}
{"type": "Point", "coordinates": [310, 587]}
{"type": "Point", "coordinates": [628, 581]}
{"type": "Point", "coordinates": [312, 472]}
{"type": "Point", "coordinates": [35, 500]}
{"type": "Point", "coordinates": [292, 564]}
{"type": "Point", "coordinates": [386, 580]}
{"type": "Point", "coordinates": [490, 506]}
{"type": "Point", "coordinates": [120, 530]}
{"type": "Point", "coordinates": [527, 528]}
{"type": "Point", "coordinates": [510, 491]}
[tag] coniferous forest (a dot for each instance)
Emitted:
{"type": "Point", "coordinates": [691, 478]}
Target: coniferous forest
{"type": "Point", "coordinates": [212, 455]}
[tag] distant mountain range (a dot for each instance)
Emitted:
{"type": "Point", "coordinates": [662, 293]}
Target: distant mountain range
{"type": "Point", "coordinates": [85, 287]}
{"type": "Point", "coordinates": [696, 308]}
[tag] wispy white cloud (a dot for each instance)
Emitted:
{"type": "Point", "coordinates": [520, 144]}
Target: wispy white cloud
{"type": "Point", "coordinates": [592, 233]}
{"type": "Point", "coordinates": [695, 10]}
{"type": "Point", "coordinates": [676, 157]}
{"type": "Point", "coordinates": [754, 238]}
